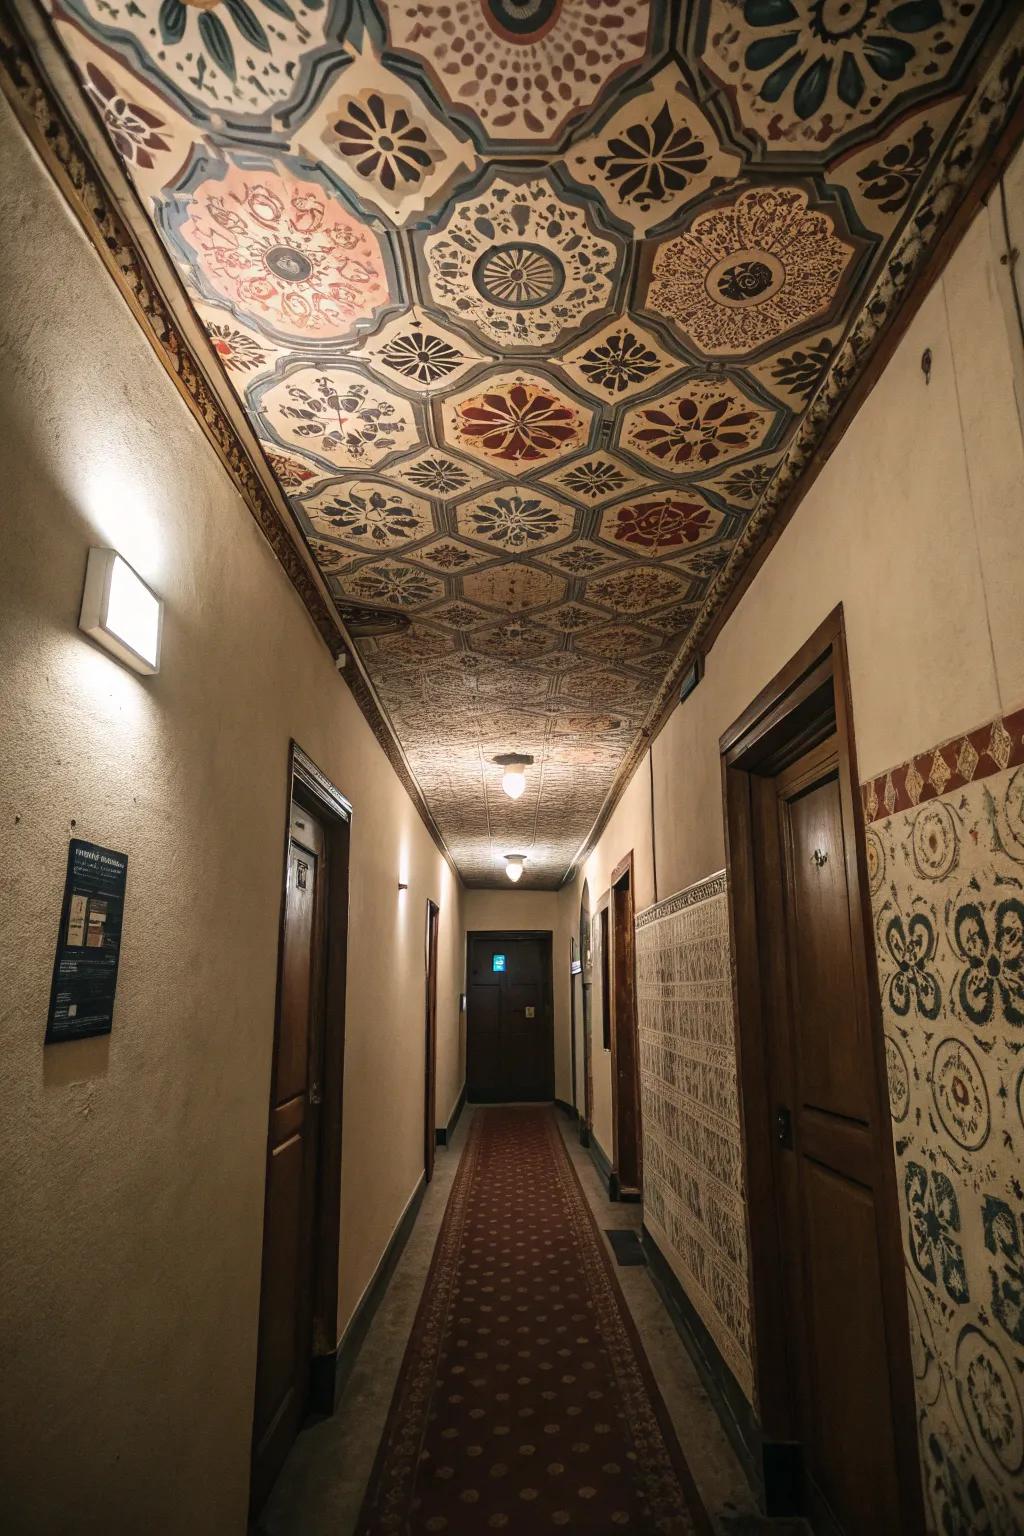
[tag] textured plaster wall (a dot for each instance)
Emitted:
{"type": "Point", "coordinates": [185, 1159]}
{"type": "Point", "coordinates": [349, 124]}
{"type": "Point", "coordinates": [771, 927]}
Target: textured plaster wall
{"type": "Point", "coordinates": [914, 525]}
{"type": "Point", "coordinates": [511, 909]}
{"type": "Point", "coordinates": [133, 1166]}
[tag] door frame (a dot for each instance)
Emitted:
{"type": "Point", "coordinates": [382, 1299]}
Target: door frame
{"type": "Point", "coordinates": [623, 1026]}
{"type": "Point", "coordinates": [308, 786]}
{"type": "Point", "coordinates": [586, 1120]}
{"type": "Point", "coordinates": [547, 938]}
{"type": "Point", "coordinates": [782, 717]}
{"type": "Point", "coordinates": [431, 946]}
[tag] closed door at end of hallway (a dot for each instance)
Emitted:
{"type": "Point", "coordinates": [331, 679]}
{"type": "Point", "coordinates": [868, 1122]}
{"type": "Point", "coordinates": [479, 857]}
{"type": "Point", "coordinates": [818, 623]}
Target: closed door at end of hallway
{"type": "Point", "coordinates": [510, 1042]}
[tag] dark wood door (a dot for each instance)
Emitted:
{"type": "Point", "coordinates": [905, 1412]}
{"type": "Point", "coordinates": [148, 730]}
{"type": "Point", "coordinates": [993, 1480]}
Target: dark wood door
{"type": "Point", "coordinates": [286, 1297]}
{"type": "Point", "coordinates": [430, 1072]}
{"type": "Point", "coordinates": [830, 1159]}
{"type": "Point", "coordinates": [509, 1039]}
{"type": "Point", "coordinates": [627, 1155]}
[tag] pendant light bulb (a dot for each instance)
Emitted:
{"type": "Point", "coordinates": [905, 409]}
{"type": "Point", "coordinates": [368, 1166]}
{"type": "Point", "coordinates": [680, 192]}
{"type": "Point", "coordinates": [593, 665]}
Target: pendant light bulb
{"type": "Point", "coordinates": [513, 780]}
{"type": "Point", "coordinates": [514, 865]}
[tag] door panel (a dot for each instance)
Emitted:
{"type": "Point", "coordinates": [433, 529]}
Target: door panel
{"type": "Point", "coordinates": [430, 1068]}
{"type": "Point", "coordinates": [286, 1295]}
{"type": "Point", "coordinates": [835, 1061]}
{"type": "Point", "coordinates": [829, 1157]}
{"type": "Point", "coordinates": [510, 1047]}
{"type": "Point", "coordinates": [856, 1474]}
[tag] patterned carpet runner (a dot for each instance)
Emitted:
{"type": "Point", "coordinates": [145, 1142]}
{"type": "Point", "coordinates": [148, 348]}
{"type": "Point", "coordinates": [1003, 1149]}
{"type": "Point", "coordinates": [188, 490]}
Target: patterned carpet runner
{"type": "Point", "coordinates": [525, 1403]}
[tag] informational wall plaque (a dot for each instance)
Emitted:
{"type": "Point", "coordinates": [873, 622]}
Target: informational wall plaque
{"type": "Point", "coordinates": [89, 943]}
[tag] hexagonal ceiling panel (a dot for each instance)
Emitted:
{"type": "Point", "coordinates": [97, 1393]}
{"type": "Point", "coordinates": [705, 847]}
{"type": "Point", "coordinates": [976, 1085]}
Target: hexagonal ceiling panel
{"type": "Point", "coordinates": [525, 303]}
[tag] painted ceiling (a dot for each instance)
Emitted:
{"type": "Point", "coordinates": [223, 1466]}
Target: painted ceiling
{"type": "Point", "coordinates": [524, 299]}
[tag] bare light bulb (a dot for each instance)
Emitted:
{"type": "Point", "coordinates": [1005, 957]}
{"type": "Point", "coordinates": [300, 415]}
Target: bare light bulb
{"type": "Point", "coordinates": [513, 781]}
{"type": "Point", "coordinates": [514, 865]}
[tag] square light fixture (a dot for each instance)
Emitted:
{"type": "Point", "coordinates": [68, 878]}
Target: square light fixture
{"type": "Point", "coordinates": [120, 612]}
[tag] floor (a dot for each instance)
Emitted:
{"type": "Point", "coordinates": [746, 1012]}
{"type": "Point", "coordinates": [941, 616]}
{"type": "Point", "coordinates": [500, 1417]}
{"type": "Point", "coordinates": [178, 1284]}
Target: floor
{"type": "Point", "coordinates": [320, 1490]}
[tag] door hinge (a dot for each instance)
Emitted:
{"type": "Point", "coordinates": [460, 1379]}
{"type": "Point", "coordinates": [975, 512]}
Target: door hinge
{"type": "Point", "coordinates": [783, 1126]}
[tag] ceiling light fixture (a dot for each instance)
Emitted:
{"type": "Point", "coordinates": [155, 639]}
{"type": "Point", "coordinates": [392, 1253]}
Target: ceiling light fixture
{"type": "Point", "coordinates": [120, 612]}
{"type": "Point", "coordinates": [514, 865]}
{"type": "Point", "coordinates": [513, 780]}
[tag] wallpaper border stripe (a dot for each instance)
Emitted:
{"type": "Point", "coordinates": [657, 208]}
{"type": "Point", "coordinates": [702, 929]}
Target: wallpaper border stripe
{"type": "Point", "coordinates": [955, 762]}
{"type": "Point", "coordinates": [701, 890]}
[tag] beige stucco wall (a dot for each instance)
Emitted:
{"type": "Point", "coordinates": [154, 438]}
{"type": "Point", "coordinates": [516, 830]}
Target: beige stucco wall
{"type": "Point", "coordinates": [131, 1191]}
{"type": "Point", "coordinates": [914, 525]}
{"type": "Point", "coordinates": [508, 910]}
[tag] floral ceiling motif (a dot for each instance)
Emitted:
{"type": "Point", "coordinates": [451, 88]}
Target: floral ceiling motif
{"type": "Point", "coordinates": [525, 302]}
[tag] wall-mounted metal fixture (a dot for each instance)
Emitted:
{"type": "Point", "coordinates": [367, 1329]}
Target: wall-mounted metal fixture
{"type": "Point", "coordinates": [926, 364]}
{"type": "Point", "coordinates": [403, 885]}
{"type": "Point", "coordinates": [120, 612]}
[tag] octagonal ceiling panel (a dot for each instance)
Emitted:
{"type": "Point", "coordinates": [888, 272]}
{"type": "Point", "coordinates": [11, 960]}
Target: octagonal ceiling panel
{"type": "Point", "coordinates": [525, 303]}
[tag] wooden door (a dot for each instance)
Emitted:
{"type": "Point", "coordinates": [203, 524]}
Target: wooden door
{"type": "Point", "coordinates": [509, 1039]}
{"type": "Point", "coordinates": [286, 1297]}
{"type": "Point", "coordinates": [829, 1153]}
{"type": "Point", "coordinates": [586, 959]}
{"type": "Point", "coordinates": [627, 1153]}
{"type": "Point", "coordinates": [430, 1072]}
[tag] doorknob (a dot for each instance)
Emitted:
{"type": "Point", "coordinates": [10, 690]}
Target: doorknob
{"type": "Point", "coordinates": [783, 1126]}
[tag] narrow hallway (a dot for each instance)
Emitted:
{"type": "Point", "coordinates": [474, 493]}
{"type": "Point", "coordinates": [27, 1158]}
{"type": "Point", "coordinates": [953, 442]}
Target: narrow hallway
{"type": "Point", "coordinates": [512, 767]}
{"type": "Point", "coordinates": [539, 1386]}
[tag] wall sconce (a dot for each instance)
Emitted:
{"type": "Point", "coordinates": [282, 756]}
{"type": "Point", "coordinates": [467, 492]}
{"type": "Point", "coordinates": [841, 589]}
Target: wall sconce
{"type": "Point", "coordinates": [514, 865]}
{"type": "Point", "coordinates": [513, 780]}
{"type": "Point", "coordinates": [120, 612]}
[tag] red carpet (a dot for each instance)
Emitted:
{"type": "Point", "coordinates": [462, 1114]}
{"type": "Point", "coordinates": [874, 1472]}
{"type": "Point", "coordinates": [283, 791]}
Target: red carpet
{"type": "Point", "coordinates": [525, 1403]}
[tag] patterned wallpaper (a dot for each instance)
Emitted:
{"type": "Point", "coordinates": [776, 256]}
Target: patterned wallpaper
{"type": "Point", "coordinates": [526, 301]}
{"type": "Point", "coordinates": [693, 1181]}
{"type": "Point", "coordinates": [946, 860]}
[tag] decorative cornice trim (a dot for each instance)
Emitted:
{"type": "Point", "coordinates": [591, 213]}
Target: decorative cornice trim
{"type": "Point", "coordinates": [701, 890]}
{"type": "Point", "coordinates": [994, 112]}
{"type": "Point", "coordinates": [988, 749]}
{"type": "Point", "coordinates": [38, 108]}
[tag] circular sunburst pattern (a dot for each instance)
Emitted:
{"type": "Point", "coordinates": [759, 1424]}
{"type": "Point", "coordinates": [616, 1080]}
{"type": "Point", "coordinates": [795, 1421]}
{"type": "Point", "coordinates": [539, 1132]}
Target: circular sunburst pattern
{"type": "Point", "coordinates": [520, 276]}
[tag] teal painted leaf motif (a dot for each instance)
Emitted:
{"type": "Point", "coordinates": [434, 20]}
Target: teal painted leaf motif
{"type": "Point", "coordinates": [888, 56]}
{"type": "Point", "coordinates": [217, 43]}
{"type": "Point", "coordinates": [171, 21]}
{"type": "Point", "coordinates": [774, 87]}
{"type": "Point", "coordinates": [282, 8]}
{"type": "Point", "coordinates": [851, 82]}
{"type": "Point", "coordinates": [766, 50]}
{"type": "Point", "coordinates": [769, 13]}
{"type": "Point", "coordinates": [811, 88]}
{"type": "Point", "coordinates": [247, 24]}
{"type": "Point", "coordinates": [915, 16]}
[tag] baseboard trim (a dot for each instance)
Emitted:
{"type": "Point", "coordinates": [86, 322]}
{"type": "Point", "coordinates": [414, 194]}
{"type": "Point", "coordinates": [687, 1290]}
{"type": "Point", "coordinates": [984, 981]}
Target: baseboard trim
{"type": "Point", "coordinates": [772, 1467]}
{"type": "Point", "coordinates": [602, 1163]}
{"type": "Point", "coordinates": [567, 1109]}
{"type": "Point", "coordinates": [330, 1373]}
{"type": "Point", "coordinates": [444, 1133]}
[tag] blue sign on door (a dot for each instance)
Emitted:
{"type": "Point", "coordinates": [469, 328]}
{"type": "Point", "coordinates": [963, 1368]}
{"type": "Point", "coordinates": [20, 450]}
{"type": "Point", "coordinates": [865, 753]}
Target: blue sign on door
{"type": "Point", "coordinates": [498, 963]}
